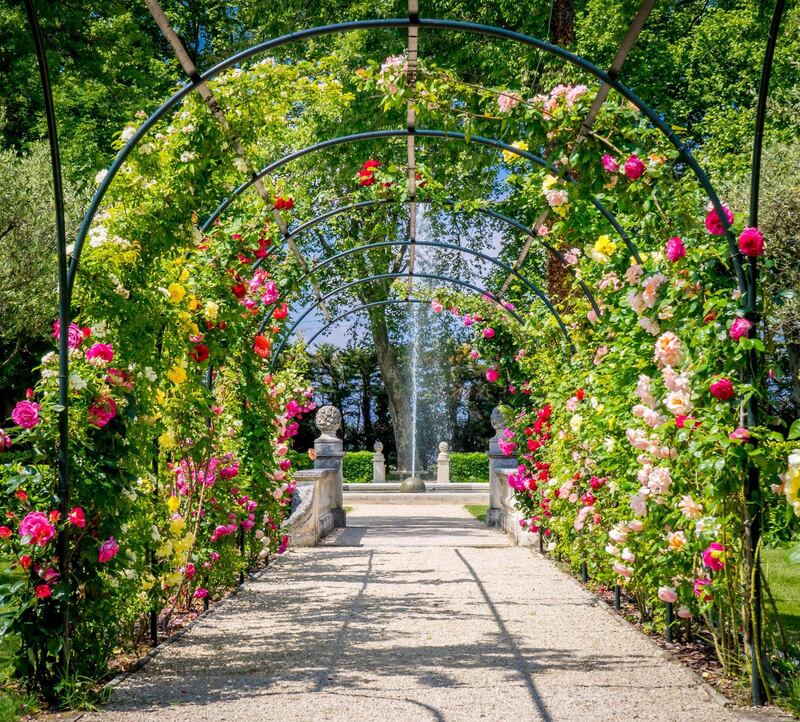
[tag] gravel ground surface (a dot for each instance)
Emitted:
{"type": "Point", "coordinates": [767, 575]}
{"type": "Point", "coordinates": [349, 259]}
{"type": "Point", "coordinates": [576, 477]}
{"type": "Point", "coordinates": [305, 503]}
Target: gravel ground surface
{"type": "Point", "coordinates": [412, 613]}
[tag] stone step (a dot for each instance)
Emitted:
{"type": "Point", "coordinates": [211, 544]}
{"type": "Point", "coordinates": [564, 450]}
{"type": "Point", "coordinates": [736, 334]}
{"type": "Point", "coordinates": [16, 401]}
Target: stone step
{"type": "Point", "coordinates": [430, 497]}
{"type": "Point", "coordinates": [431, 486]}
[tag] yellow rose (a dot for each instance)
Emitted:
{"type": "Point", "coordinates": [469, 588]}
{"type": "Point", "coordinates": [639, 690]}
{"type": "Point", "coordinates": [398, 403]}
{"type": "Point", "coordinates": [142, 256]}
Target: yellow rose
{"type": "Point", "coordinates": [548, 182]}
{"type": "Point", "coordinates": [173, 504]}
{"type": "Point", "coordinates": [165, 550]}
{"type": "Point", "coordinates": [161, 397]}
{"type": "Point", "coordinates": [176, 292]}
{"type": "Point", "coordinates": [177, 374]}
{"type": "Point", "coordinates": [211, 310]}
{"type": "Point", "coordinates": [172, 579]}
{"type": "Point", "coordinates": [561, 210]}
{"type": "Point", "coordinates": [605, 245]}
{"type": "Point", "coordinates": [508, 156]}
{"type": "Point", "coordinates": [184, 276]}
{"type": "Point", "coordinates": [176, 526]}
{"type": "Point", "coordinates": [193, 303]}
{"type": "Point", "coordinates": [167, 440]}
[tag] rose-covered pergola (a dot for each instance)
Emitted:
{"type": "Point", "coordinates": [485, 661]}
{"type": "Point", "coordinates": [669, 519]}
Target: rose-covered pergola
{"type": "Point", "coordinates": [742, 265]}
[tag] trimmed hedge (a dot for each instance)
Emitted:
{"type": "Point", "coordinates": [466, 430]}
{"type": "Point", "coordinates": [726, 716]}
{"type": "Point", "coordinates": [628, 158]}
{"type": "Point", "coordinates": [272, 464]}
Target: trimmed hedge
{"type": "Point", "coordinates": [357, 467]}
{"type": "Point", "coordinates": [469, 467]}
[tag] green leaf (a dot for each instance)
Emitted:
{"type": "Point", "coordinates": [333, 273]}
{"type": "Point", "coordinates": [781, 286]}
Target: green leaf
{"type": "Point", "coordinates": [794, 431]}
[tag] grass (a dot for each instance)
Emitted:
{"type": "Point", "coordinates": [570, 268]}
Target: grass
{"type": "Point", "coordinates": [478, 511]}
{"type": "Point", "coordinates": [783, 577]}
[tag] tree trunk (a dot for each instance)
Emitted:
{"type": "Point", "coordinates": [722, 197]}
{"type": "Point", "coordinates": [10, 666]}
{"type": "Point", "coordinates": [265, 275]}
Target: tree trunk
{"type": "Point", "coordinates": [396, 387]}
{"type": "Point", "coordinates": [562, 24]}
{"type": "Point", "coordinates": [366, 404]}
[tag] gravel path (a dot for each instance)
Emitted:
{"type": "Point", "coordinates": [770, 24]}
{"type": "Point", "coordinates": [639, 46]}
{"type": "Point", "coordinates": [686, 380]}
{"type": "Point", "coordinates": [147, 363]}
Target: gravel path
{"type": "Point", "coordinates": [412, 613]}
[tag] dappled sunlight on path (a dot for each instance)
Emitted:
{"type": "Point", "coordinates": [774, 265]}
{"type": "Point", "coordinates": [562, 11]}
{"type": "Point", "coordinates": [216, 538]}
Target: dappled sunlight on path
{"type": "Point", "coordinates": [412, 613]}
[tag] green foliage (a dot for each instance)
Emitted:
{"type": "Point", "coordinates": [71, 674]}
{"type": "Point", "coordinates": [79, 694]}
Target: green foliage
{"type": "Point", "coordinates": [469, 467]}
{"type": "Point", "coordinates": [357, 467]}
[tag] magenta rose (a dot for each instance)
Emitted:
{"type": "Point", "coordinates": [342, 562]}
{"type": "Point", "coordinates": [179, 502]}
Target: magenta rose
{"type": "Point", "coordinates": [701, 590]}
{"type": "Point", "coordinates": [714, 224]}
{"type": "Point", "coordinates": [37, 529]}
{"type": "Point", "coordinates": [492, 375]}
{"type": "Point", "coordinates": [100, 354]}
{"type": "Point", "coordinates": [74, 335]}
{"type": "Point", "coordinates": [740, 328]}
{"type": "Point", "coordinates": [108, 550]}
{"type": "Point", "coordinates": [5, 441]}
{"type": "Point", "coordinates": [488, 332]}
{"type": "Point", "coordinates": [722, 389]}
{"type": "Point", "coordinates": [714, 557]}
{"type": "Point", "coordinates": [675, 249]}
{"type": "Point", "coordinates": [102, 411]}
{"type": "Point", "coordinates": [751, 242]}
{"type": "Point", "coordinates": [634, 167]}
{"type": "Point", "coordinates": [610, 163]}
{"type": "Point", "coordinates": [26, 414]}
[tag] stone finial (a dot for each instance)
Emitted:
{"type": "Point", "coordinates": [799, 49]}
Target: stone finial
{"type": "Point", "coordinates": [378, 446]}
{"type": "Point", "coordinates": [444, 447]}
{"type": "Point", "coordinates": [328, 421]}
{"type": "Point", "coordinates": [497, 419]}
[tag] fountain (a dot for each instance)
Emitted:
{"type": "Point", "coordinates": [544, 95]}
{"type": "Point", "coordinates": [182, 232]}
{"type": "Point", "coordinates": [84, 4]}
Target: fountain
{"type": "Point", "coordinates": [413, 483]}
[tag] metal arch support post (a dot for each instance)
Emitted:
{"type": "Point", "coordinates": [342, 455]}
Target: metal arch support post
{"type": "Point", "coordinates": [64, 319]}
{"type": "Point", "coordinates": [447, 203]}
{"type": "Point", "coordinates": [455, 25]}
{"type": "Point", "coordinates": [753, 522]}
{"type": "Point", "coordinates": [426, 133]}
{"type": "Point", "coordinates": [387, 276]}
{"type": "Point", "coordinates": [433, 244]}
{"type": "Point", "coordinates": [356, 309]}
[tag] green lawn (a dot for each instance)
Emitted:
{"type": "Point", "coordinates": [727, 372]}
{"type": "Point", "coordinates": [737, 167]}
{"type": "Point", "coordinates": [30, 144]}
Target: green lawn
{"type": "Point", "coordinates": [478, 511]}
{"type": "Point", "coordinates": [783, 577]}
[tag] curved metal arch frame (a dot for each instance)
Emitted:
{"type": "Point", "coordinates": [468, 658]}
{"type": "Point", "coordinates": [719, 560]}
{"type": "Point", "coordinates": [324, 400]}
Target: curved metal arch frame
{"type": "Point", "coordinates": [455, 25]}
{"type": "Point", "coordinates": [447, 203]}
{"type": "Point", "coordinates": [383, 277]}
{"type": "Point", "coordinates": [433, 244]}
{"type": "Point", "coordinates": [356, 309]}
{"type": "Point", "coordinates": [425, 133]}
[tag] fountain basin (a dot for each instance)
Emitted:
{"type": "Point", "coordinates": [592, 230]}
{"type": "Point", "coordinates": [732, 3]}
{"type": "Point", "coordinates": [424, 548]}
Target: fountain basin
{"type": "Point", "coordinates": [413, 484]}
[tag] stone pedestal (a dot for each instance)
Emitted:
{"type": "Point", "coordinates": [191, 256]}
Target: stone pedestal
{"type": "Point", "coordinates": [378, 464]}
{"type": "Point", "coordinates": [497, 462]}
{"type": "Point", "coordinates": [330, 453]}
{"type": "Point", "coordinates": [443, 464]}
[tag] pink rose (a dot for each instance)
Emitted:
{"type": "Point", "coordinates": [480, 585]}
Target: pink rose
{"type": "Point", "coordinates": [436, 306]}
{"type": "Point", "coordinates": [610, 163]}
{"type": "Point", "coordinates": [37, 529]}
{"type": "Point", "coordinates": [684, 612]}
{"type": "Point", "coordinates": [714, 224]}
{"type": "Point", "coordinates": [108, 550]}
{"type": "Point", "coordinates": [740, 328]}
{"type": "Point", "coordinates": [26, 414]}
{"type": "Point", "coordinates": [751, 242]}
{"type": "Point", "coordinates": [634, 167]}
{"type": "Point", "coordinates": [675, 249]}
{"type": "Point", "coordinates": [5, 441]}
{"type": "Point", "coordinates": [492, 375]}
{"type": "Point", "coordinates": [102, 411]}
{"type": "Point", "coordinates": [474, 354]}
{"type": "Point", "coordinates": [42, 591]}
{"type": "Point", "coordinates": [722, 389]}
{"type": "Point", "coordinates": [488, 332]}
{"type": "Point", "coordinates": [284, 545]}
{"type": "Point", "coordinates": [507, 100]}
{"type": "Point", "coordinates": [739, 434]}
{"type": "Point", "coordinates": [714, 557]}
{"type": "Point", "coordinates": [100, 354]}
{"type": "Point", "coordinates": [200, 593]}
{"type": "Point", "coordinates": [74, 335]}
{"type": "Point", "coordinates": [701, 590]}
{"type": "Point", "coordinates": [668, 595]}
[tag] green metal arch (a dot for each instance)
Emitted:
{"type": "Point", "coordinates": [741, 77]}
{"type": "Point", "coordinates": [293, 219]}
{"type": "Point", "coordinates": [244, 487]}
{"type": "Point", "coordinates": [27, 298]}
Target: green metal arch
{"type": "Point", "coordinates": [303, 227]}
{"type": "Point", "coordinates": [387, 276]}
{"type": "Point", "coordinates": [433, 244]}
{"type": "Point", "coordinates": [425, 133]}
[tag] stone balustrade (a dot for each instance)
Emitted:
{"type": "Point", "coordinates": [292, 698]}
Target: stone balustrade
{"type": "Point", "coordinates": [313, 515]}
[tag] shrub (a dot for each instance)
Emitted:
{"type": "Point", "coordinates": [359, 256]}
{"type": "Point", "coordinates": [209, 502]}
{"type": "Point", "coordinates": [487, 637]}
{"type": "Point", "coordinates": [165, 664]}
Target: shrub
{"type": "Point", "coordinates": [471, 467]}
{"type": "Point", "coordinates": [357, 467]}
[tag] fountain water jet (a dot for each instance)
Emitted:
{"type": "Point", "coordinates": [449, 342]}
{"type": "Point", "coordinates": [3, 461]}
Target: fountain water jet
{"type": "Point", "coordinates": [413, 482]}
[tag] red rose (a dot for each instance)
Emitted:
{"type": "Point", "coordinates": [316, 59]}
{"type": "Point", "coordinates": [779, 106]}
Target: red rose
{"type": "Point", "coordinates": [722, 389]}
{"type": "Point", "coordinates": [283, 203]}
{"type": "Point", "coordinates": [239, 290]}
{"type": "Point", "coordinates": [262, 346]}
{"type": "Point", "coordinates": [199, 353]}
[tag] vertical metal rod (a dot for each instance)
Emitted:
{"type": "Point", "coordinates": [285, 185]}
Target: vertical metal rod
{"type": "Point", "coordinates": [617, 597]}
{"type": "Point", "coordinates": [64, 319]}
{"type": "Point", "coordinates": [670, 620]}
{"type": "Point", "coordinates": [753, 374]}
{"type": "Point", "coordinates": [541, 541]}
{"type": "Point", "coordinates": [241, 551]}
{"type": "Point", "coordinates": [584, 570]}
